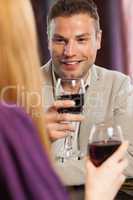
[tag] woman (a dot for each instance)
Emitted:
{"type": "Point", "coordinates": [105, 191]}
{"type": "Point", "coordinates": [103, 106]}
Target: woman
{"type": "Point", "coordinates": [26, 172]}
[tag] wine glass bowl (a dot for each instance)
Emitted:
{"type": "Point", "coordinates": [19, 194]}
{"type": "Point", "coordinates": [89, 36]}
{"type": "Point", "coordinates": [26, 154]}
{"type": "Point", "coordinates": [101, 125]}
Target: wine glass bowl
{"type": "Point", "coordinates": [104, 139]}
{"type": "Point", "coordinates": [71, 89]}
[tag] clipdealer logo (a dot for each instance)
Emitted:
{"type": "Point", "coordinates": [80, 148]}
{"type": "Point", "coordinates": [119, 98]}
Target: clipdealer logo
{"type": "Point", "coordinates": [23, 97]}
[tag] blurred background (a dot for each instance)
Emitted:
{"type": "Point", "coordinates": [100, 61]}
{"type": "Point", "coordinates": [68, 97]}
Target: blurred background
{"type": "Point", "coordinates": [116, 20]}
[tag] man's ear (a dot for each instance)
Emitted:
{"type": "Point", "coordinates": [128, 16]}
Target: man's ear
{"type": "Point", "coordinates": [48, 36]}
{"type": "Point", "coordinates": [49, 41]}
{"type": "Point", "coordinates": [48, 44]}
{"type": "Point", "coordinates": [99, 38]}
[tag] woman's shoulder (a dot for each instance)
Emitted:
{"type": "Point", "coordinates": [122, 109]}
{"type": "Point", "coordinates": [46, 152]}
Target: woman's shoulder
{"type": "Point", "coordinates": [15, 122]}
{"type": "Point", "coordinates": [12, 114]}
{"type": "Point", "coordinates": [11, 109]}
{"type": "Point", "coordinates": [24, 159]}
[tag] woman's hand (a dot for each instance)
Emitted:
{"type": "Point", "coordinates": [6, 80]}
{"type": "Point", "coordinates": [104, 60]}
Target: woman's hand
{"type": "Point", "coordinates": [103, 182]}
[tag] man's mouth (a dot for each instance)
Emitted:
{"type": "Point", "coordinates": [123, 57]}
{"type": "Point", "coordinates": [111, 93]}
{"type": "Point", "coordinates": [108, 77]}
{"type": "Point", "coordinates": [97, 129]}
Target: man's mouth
{"type": "Point", "coordinates": [74, 62]}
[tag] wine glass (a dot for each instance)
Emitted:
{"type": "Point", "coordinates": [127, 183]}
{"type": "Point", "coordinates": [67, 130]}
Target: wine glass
{"type": "Point", "coordinates": [71, 89]}
{"type": "Point", "coordinates": [104, 139]}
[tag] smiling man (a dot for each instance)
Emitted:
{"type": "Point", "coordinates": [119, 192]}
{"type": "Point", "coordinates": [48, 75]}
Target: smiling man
{"type": "Point", "coordinates": [74, 36]}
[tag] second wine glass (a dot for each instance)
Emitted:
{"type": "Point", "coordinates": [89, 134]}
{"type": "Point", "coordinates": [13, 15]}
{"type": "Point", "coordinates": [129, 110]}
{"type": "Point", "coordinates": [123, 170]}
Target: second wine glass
{"type": "Point", "coordinates": [104, 139]}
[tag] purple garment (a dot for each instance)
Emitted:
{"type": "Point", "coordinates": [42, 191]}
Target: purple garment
{"type": "Point", "coordinates": [25, 171]}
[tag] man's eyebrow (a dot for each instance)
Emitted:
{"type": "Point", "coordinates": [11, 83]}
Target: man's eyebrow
{"type": "Point", "coordinates": [83, 35]}
{"type": "Point", "coordinates": [59, 36]}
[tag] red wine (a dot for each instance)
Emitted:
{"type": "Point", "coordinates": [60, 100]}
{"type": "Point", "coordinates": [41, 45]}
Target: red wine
{"type": "Point", "coordinates": [100, 151]}
{"type": "Point", "coordinates": [79, 102]}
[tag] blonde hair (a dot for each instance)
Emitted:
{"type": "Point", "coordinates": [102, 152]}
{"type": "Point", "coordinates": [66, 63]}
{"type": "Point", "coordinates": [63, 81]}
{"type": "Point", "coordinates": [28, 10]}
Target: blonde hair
{"type": "Point", "coordinates": [19, 60]}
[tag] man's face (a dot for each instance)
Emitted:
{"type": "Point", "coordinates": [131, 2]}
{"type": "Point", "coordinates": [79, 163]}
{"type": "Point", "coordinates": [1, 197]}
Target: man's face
{"type": "Point", "coordinates": [73, 45]}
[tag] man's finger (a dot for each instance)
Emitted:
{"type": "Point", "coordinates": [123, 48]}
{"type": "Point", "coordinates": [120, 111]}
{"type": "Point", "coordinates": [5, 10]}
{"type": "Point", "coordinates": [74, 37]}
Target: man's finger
{"type": "Point", "coordinates": [59, 117]}
{"type": "Point", "coordinates": [71, 117]}
{"type": "Point", "coordinates": [63, 104]}
{"type": "Point", "coordinates": [60, 127]}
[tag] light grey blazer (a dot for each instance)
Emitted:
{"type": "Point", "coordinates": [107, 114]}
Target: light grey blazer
{"type": "Point", "coordinates": [107, 97]}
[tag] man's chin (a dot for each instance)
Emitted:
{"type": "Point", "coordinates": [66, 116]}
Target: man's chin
{"type": "Point", "coordinates": [71, 76]}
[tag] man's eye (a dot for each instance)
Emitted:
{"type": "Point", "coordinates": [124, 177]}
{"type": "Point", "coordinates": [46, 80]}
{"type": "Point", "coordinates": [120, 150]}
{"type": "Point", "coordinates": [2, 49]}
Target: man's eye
{"type": "Point", "coordinates": [58, 40]}
{"type": "Point", "coordinates": [82, 39]}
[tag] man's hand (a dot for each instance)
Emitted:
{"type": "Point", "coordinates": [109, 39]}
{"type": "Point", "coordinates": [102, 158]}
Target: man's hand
{"type": "Point", "coordinates": [57, 124]}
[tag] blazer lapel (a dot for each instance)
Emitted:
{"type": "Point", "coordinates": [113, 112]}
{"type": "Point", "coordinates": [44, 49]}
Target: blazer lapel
{"type": "Point", "coordinates": [92, 109]}
{"type": "Point", "coordinates": [48, 88]}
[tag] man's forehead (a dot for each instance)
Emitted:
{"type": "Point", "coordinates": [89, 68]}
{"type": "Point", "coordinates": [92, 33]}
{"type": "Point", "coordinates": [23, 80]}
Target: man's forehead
{"type": "Point", "coordinates": [76, 18]}
{"type": "Point", "coordinates": [68, 26]}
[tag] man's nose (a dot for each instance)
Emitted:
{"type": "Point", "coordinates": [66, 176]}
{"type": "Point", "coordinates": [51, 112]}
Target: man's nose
{"type": "Point", "coordinates": [70, 49]}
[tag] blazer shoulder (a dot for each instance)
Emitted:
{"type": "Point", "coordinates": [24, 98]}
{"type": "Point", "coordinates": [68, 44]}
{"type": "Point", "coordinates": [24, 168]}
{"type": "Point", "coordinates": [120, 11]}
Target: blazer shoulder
{"type": "Point", "coordinates": [112, 80]}
{"type": "Point", "coordinates": [47, 71]}
{"type": "Point", "coordinates": [110, 75]}
{"type": "Point", "coordinates": [47, 67]}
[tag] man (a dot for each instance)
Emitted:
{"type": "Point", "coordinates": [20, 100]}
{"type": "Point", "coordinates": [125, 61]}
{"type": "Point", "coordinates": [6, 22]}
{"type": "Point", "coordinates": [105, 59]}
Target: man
{"type": "Point", "coordinates": [74, 37]}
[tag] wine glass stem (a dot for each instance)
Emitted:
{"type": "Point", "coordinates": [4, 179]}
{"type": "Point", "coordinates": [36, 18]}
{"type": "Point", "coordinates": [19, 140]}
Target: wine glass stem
{"type": "Point", "coordinates": [68, 143]}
